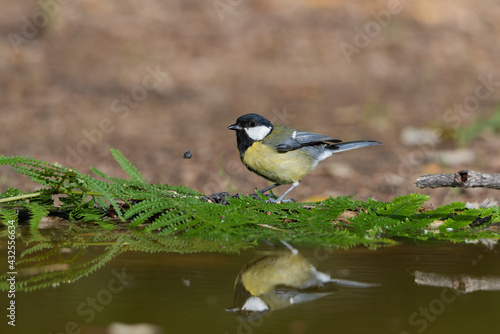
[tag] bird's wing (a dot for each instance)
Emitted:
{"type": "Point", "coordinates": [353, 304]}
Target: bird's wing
{"type": "Point", "coordinates": [300, 139]}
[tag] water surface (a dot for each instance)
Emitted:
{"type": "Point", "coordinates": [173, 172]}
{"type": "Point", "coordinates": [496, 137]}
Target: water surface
{"type": "Point", "coordinates": [188, 293]}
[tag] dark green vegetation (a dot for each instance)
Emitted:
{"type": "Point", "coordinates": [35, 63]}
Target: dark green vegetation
{"type": "Point", "coordinates": [51, 257]}
{"type": "Point", "coordinates": [133, 215]}
{"type": "Point", "coordinates": [477, 126]}
{"type": "Point", "coordinates": [178, 211]}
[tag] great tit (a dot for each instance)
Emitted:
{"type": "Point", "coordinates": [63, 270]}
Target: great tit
{"type": "Point", "coordinates": [282, 154]}
{"type": "Point", "coordinates": [280, 280]}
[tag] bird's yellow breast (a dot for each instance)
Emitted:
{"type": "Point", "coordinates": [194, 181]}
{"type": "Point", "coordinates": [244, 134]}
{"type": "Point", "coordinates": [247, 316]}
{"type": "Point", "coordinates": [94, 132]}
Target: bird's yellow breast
{"type": "Point", "coordinates": [288, 269]}
{"type": "Point", "coordinates": [282, 168]}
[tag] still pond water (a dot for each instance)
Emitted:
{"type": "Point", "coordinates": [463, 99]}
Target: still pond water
{"type": "Point", "coordinates": [423, 288]}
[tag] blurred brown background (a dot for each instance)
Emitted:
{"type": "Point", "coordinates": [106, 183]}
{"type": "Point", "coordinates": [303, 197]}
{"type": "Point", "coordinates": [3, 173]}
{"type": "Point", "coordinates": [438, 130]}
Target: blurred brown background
{"type": "Point", "coordinates": [156, 78]}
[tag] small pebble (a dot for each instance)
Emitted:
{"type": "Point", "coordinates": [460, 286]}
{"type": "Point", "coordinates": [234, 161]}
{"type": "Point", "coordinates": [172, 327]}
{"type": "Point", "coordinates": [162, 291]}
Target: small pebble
{"type": "Point", "coordinates": [411, 136]}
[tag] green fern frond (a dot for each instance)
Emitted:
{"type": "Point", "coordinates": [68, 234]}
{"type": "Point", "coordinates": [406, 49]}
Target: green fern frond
{"type": "Point", "coordinates": [8, 215]}
{"type": "Point", "coordinates": [38, 247]}
{"type": "Point", "coordinates": [170, 222]}
{"type": "Point", "coordinates": [143, 216]}
{"type": "Point", "coordinates": [87, 214]}
{"type": "Point", "coordinates": [180, 211]}
{"type": "Point", "coordinates": [37, 170]}
{"type": "Point", "coordinates": [142, 211]}
{"type": "Point", "coordinates": [103, 188]}
{"type": "Point", "coordinates": [132, 172]}
{"type": "Point", "coordinates": [37, 213]}
{"type": "Point", "coordinates": [403, 206]}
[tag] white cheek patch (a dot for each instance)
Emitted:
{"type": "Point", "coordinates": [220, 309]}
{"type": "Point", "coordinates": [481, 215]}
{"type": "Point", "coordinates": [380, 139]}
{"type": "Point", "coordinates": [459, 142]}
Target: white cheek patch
{"type": "Point", "coordinates": [258, 133]}
{"type": "Point", "coordinates": [255, 304]}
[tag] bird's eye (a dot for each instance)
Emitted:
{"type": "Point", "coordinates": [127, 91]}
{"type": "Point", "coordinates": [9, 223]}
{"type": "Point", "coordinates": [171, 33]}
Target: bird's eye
{"type": "Point", "coordinates": [252, 124]}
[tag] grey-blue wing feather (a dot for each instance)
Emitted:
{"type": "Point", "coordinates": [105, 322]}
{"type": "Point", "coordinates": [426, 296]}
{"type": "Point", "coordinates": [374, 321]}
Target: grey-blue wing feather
{"type": "Point", "coordinates": [301, 139]}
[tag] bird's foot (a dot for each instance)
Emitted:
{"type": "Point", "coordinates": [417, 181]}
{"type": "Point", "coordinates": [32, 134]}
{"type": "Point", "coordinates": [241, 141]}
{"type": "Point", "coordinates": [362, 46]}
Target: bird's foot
{"type": "Point", "coordinates": [260, 195]}
{"type": "Point", "coordinates": [277, 201]}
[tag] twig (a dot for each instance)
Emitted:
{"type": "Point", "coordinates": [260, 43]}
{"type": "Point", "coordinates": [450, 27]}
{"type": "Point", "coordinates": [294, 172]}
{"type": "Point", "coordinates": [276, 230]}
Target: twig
{"type": "Point", "coordinates": [39, 193]}
{"type": "Point", "coordinates": [464, 178]}
{"type": "Point", "coordinates": [18, 197]}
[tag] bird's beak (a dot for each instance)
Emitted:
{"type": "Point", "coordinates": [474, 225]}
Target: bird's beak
{"type": "Point", "coordinates": [234, 127]}
{"type": "Point", "coordinates": [233, 309]}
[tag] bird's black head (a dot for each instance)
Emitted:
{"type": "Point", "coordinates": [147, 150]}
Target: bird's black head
{"type": "Point", "coordinates": [247, 122]}
{"type": "Point", "coordinates": [250, 128]}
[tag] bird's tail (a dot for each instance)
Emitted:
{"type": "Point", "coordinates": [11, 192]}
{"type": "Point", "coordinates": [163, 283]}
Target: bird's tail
{"type": "Point", "coordinates": [353, 284]}
{"type": "Point", "coordinates": [351, 145]}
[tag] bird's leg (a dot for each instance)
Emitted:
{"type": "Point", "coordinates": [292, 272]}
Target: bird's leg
{"type": "Point", "coordinates": [290, 247]}
{"type": "Point", "coordinates": [281, 198]}
{"type": "Point", "coordinates": [262, 191]}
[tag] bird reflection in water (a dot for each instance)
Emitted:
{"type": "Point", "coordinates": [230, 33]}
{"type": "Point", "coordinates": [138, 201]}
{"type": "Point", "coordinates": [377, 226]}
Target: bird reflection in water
{"type": "Point", "coordinates": [274, 282]}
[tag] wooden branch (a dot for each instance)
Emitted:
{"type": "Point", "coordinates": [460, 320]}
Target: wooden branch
{"type": "Point", "coordinates": [464, 178]}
